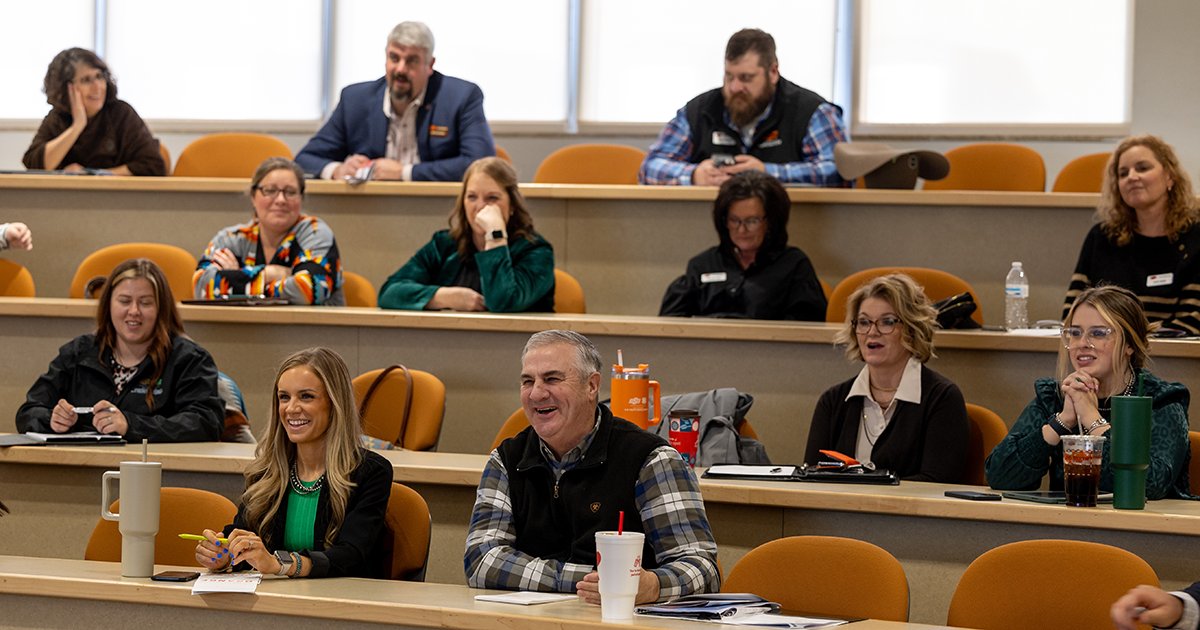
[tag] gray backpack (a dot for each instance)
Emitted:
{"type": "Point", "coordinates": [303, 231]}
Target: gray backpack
{"type": "Point", "coordinates": [722, 411]}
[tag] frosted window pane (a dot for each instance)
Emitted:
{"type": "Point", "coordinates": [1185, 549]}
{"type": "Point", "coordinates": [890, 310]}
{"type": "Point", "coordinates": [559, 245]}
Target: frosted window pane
{"type": "Point", "coordinates": [31, 33]}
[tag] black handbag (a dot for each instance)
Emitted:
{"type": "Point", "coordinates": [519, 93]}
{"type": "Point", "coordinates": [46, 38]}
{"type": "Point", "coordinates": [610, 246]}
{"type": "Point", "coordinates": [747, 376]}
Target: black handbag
{"type": "Point", "coordinates": [955, 312]}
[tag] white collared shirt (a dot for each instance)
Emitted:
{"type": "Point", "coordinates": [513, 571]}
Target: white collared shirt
{"type": "Point", "coordinates": [875, 418]}
{"type": "Point", "coordinates": [402, 133]}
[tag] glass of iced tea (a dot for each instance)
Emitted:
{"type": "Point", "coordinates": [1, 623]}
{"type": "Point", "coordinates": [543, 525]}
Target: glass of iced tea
{"type": "Point", "coordinates": [1082, 455]}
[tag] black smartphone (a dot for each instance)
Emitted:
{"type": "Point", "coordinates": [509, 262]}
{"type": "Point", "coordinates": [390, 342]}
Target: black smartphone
{"type": "Point", "coordinates": [973, 495]}
{"type": "Point", "coordinates": [175, 576]}
{"type": "Point", "coordinates": [723, 159]}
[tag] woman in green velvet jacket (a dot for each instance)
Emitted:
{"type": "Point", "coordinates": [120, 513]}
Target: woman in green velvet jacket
{"type": "Point", "coordinates": [490, 259]}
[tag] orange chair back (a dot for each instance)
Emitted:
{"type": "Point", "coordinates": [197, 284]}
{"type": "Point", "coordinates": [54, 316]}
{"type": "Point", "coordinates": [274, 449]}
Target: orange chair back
{"type": "Point", "coordinates": [938, 285]}
{"type": "Point", "coordinates": [1084, 174]}
{"type": "Point", "coordinates": [993, 166]}
{"type": "Point", "coordinates": [824, 575]}
{"type": "Point", "coordinates": [568, 293]}
{"type": "Point", "coordinates": [383, 416]}
{"type": "Point", "coordinates": [1008, 587]}
{"type": "Point", "coordinates": [502, 154]}
{"type": "Point", "coordinates": [591, 164]}
{"type": "Point", "coordinates": [166, 157]}
{"type": "Point", "coordinates": [176, 263]}
{"type": "Point", "coordinates": [181, 510]}
{"type": "Point", "coordinates": [228, 155]}
{"type": "Point", "coordinates": [15, 280]}
{"type": "Point", "coordinates": [1194, 465]}
{"type": "Point", "coordinates": [405, 540]}
{"type": "Point", "coordinates": [987, 430]}
{"type": "Point", "coordinates": [358, 290]}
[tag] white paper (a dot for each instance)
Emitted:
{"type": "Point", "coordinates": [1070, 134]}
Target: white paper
{"type": "Point", "coordinates": [525, 598]}
{"type": "Point", "coordinates": [1035, 332]}
{"type": "Point", "coordinates": [244, 582]}
{"type": "Point", "coordinates": [757, 471]}
{"type": "Point", "coordinates": [77, 435]}
{"type": "Point", "coordinates": [771, 620]}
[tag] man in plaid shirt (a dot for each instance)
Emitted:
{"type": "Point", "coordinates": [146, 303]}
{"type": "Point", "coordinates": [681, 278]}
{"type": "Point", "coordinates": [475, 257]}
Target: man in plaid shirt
{"type": "Point", "coordinates": [757, 120]}
{"type": "Point", "coordinates": [546, 492]}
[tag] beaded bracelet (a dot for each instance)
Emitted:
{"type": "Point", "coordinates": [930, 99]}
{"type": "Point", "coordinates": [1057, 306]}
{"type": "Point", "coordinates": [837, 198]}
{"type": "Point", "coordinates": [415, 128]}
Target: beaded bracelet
{"type": "Point", "coordinates": [1098, 423]}
{"type": "Point", "coordinates": [1058, 427]}
{"type": "Point", "coordinates": [299, 564]}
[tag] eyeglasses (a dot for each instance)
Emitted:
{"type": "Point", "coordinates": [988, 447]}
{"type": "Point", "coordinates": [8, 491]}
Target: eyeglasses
{"type": "Point", "coordinates": [885, 325]}
{"type": "Point", "coordinates": [88, 80]}
{"type": "Point", "coordinates": [271, 191]}
{"type": "Point", "coordinates": [1091, 336]}
{"type": "Point", "coordinates": [751, 224]}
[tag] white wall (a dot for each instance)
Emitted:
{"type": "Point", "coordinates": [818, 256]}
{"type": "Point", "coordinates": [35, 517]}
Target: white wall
{"type": "Point", "coordinates": [1165, 100]}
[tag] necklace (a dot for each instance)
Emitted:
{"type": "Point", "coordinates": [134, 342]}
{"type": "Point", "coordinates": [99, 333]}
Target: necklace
{"type": "Point", "coordinates": [871, 439]}
{"type": "Point", "coordinates": [302, 489]}
{"type": "Point", "coordinates": [1128, 391]}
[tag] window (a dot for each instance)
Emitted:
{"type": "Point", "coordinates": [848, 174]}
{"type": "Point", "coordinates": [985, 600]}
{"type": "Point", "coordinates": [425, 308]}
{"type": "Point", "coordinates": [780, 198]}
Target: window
{"type": "Point", "coordinates": [31, 33]}
{"type": "Point", "coordinates": [642, 61]}
{"type": "Point", "coordinates": [517, 55]}
{"type": "Point", "coordinates": [978, 67]}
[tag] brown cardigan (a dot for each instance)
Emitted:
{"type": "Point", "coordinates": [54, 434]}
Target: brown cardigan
{"type": "Point", "coordinates": [116, 136]}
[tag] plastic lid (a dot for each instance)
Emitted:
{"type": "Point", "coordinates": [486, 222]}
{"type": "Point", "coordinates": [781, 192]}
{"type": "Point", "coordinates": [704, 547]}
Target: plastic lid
{"type": "Point", "coordinates": [1016, 263]}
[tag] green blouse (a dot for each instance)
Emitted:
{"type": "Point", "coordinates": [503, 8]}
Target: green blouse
{"type": "Point", "coordinates": [301, 518]}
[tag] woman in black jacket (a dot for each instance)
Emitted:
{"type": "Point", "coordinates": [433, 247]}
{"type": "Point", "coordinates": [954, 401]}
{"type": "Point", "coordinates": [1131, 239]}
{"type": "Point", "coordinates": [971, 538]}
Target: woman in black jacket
{"type": "Point", "coordinates": [138, 375]}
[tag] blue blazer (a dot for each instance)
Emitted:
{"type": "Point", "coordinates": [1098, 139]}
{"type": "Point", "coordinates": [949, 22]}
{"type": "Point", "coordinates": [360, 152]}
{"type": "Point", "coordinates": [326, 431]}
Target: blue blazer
{"type": "Point", "coordinates": [453, 110]}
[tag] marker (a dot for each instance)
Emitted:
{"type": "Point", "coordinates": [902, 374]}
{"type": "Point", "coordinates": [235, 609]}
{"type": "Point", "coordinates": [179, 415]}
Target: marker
{"type": "Point", "coordinates": [199, 538]}
{"type": "Point", "coordinates": [776, 470]}
{"type": "Point", "coordinates": [81, 409]}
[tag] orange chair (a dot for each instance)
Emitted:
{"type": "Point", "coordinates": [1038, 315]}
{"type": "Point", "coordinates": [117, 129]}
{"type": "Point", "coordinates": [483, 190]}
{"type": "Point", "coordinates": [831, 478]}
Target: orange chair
{"type": "Point", "coordinates": [405, 542]}
{"type": "Point", "coordinates": [1084, 174]}
{"type": "Point", "coordinates": [358, 290]}
{"type": "Point", "coordinates": [177, 265]}
{"type": "Point", "coordinates": [503, 155]}
{"type": "Point", "coordinates": [937, 284]}
{"type": "Point", "coordinates": [591, 164]}
{"type": "Point", "coordinates": [987, 430]}
{"type": "Point", "coordinates": [1012, 586]}
{"type": "Point", "coordinates": [568, 293]}
{"type": "Point", "coordinates": [383, 415]}
{"type": "Point", "coordinates": [166, 157]}
{"type": "Point", "coordinates": [228, 155]}
{"type": "Point", "coordinates": [1194, 465]}
{"type": "Point", "coordinates": [993, 166]}
{"type": "Point", "coordinates": [15, 280]}
{"type": "Point", "coordinates": [181, 510]}
{"type": "Point", "coordinates": [824, 575]}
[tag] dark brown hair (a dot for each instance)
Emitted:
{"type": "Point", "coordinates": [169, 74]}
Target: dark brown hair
{"type": "Point", "coordinates": [752, 40]}
{"type": "Point", "coordinates": [276, 164]}
{"type": "Point", "coordinates": [61, 72]}
{"type": "Point", "coordinates": [167, 324]}
{"type": "Point", "coordinates": [775, 202]}
{"type": "Point", "coordinates": [520, 222]}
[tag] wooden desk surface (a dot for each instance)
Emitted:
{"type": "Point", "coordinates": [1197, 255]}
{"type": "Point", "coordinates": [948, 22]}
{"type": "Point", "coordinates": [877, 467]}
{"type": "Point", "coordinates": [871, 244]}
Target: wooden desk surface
{"type": "Point", "coordinates": [76, 584]}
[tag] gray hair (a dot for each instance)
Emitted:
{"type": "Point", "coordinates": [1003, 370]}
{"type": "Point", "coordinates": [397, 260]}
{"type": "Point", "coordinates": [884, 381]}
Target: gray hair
{"type": "Point", "coordinates": [587, 357]}
{"type": "Point", "coordinates": [412, 34]}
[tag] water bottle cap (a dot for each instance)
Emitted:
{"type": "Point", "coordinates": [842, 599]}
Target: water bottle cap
{"type": "Point", "coordinates": [1016, 263]}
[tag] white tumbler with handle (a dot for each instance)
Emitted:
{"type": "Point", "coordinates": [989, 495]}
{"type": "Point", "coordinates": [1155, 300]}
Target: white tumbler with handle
{"type": "Point", "coordinates": [141, 483]}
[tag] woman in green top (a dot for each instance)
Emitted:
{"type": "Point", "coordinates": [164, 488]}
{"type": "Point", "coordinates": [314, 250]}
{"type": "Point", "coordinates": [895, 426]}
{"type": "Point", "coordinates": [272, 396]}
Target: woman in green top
{"type": "Point", "coordinates": [315, 501]}
{"type": "Point", "coordinates": [1104, 352]}
{"type": "Point", "coordinates": [490, 259]}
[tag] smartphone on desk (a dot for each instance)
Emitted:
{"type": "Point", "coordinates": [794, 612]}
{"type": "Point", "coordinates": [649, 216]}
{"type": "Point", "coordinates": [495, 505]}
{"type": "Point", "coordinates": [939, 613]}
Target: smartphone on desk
{"type": "Point", "coordinates": [972, 495]}
{"type": "Point", "coordinates": [1050, 496]}
{"type": "Point", "coordinates": [175, 576]}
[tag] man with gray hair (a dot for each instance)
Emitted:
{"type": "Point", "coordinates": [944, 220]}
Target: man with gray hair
{"type": "Point", "coordinates": [546, 491]}
{"type": "Point", "coordinates": [412, 124]}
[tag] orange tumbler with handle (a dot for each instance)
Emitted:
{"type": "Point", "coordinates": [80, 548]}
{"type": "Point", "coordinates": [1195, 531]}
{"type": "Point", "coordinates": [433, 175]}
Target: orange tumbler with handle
{"type": "Point", "coordinates": [631, 390]}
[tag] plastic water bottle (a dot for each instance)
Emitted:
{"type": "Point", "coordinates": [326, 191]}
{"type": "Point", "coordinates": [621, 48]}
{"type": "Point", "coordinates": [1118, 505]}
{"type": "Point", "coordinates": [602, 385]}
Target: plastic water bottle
{"type": "Point", "coordinates": [1016, 298]}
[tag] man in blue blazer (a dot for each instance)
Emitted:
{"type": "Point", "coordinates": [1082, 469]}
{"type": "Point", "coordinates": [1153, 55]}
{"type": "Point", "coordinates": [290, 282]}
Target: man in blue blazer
{"type": "Point", "coordinates": [412, 124]}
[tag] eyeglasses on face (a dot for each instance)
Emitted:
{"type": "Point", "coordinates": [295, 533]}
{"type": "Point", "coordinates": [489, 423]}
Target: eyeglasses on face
{"type": "Point", "coordinates": [884, 325]}
{"type": "Point", "coordinates": [751, 224]}
{"type": "Point", "coordinates": [270, 191]}
{"type": "Point", "coordinates": [88, 79]}
{"type": "Point", "coordinates": [1090, 336]}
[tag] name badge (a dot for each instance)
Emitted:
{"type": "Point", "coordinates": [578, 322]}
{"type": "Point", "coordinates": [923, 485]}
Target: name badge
{"type": "Point", "coordinates": [770, 143]}
{"type": "Point", "coordinates": [723, 139]}
{"type": "Point", "coordinates": [1160, 279]}
{"type": "Point", "coordinates": [716, 276]}
{"type": "Point", "coordinates": [439, 131]}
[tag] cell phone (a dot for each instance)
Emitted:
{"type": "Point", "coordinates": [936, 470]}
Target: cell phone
{"type": "Point", "coordinates": [973, 495]}
{"type": "Point", "coordinates": [1051, 496]}
{"type": "Point", "coordinates": [723, 159]}
{"type": "Point", "coordinates": [175, 576]}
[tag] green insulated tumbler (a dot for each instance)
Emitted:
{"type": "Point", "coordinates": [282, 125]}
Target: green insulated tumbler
{"type": "Point", "coordinates": [1129, 451]}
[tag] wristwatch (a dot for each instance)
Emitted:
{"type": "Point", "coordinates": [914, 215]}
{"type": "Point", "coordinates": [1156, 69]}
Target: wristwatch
{"type": "Point", "coordinates": [498, 235]}
{"type": "Point", "coordinates": [285, 561]}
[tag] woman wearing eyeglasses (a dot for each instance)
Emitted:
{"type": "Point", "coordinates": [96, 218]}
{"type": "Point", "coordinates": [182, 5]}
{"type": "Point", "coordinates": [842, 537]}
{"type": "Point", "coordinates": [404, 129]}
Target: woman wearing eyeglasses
{"type": "Point", "coordinates": [88, 126]}
{"type": "Point", "coordinates": [279, 253]}
{"type": "Point", "coordinates": [752, 273]}
{"type": "Point", "coordinates": [897, 414]}
{"type": "Point", "coordinates": [1104, 350]}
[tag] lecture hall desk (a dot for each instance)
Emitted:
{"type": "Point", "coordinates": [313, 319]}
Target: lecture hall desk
{"type": "Point", "coordinates": [54, 493]}
{"type": "Point", "coordinates": [624, 243]}
{"type": "Point", "coordinates": [60, 594]}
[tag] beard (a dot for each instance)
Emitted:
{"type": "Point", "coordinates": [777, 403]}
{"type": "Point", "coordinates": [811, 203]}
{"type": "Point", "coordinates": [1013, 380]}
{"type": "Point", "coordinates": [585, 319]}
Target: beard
{"type": "Point", "coordinates": [401, 91]}
{"type": "Point", "coordinates": [744, 108]}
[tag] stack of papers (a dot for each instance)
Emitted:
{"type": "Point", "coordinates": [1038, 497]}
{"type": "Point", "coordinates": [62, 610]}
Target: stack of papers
{"type": "Point", "coordinates": [79, 437]}
{"type": "Point", "coordinates": [241, 582]}
{"type": "Point", "coordinates": [741, 609]}
{"type": "Point", "coordinates": [525, 598]}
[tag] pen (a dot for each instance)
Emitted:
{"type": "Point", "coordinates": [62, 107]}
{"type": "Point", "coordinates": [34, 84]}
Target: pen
{"type": "Point", "coordinates": [776, 470]}
{"type": "Point", "coordinates": [198, 538]}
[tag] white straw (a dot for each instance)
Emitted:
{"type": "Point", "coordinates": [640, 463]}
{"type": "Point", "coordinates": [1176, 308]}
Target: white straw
{"type": "Point", "coordinates": [620, 358]}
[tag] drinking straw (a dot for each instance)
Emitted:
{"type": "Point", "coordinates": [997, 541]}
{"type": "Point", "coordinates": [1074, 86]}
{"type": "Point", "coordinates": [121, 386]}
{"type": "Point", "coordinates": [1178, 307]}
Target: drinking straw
{"type": "Point", "coordinates": [621, 522]}
{"type": "Point", "coordinates": [620, 358]}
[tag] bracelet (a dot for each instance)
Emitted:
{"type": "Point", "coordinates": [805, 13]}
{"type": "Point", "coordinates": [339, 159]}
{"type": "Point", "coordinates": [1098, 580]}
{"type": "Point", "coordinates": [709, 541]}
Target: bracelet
{"type": "Point", "coordinates": [299, 564]}
{"type": "Point", "coordinates": [1058, 427]}
{"type": "Point", "coordinates": [1098, 423]}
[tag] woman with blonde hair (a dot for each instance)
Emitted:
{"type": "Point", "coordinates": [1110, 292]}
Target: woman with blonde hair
{"type": "Point", "coordinates": [1148, 237]}
{"type": "Point", "coordinates": [490, 259]}
{"type": "Point", "coordinates": [897, 414]}
{"type": "Point", "coordinates": [315, 500]}
{"type": "Point", "coordinates": [1104, 351]}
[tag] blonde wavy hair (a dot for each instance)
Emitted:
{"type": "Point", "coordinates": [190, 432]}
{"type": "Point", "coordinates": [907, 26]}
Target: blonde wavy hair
{"type": "Point", "coordinates": [1119, 220]}
{"type": "Point", "coordinates": [267, 478]}
{"type": "Point", "coordinates": [918, 318]}
{"type": "Point", "coordinates": [1121, 309]}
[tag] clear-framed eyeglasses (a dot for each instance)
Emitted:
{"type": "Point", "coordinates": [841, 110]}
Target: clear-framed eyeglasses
{"type": "Point", "coordinates": [884, 325]}
{"type": "Point", "coordinates": [1090, 336]}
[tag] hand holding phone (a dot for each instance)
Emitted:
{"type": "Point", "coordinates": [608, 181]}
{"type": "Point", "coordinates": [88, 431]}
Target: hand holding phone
{"type": "Point", "coordinates": [723, 159]}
